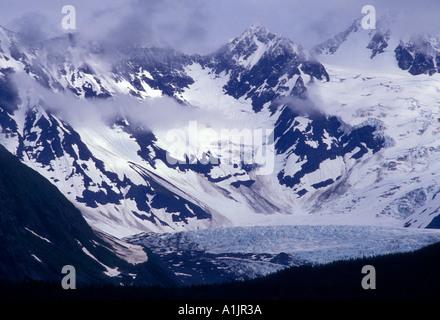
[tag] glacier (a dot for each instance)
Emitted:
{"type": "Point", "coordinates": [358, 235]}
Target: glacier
{"type": "Point", "coordinates": [224, 254]}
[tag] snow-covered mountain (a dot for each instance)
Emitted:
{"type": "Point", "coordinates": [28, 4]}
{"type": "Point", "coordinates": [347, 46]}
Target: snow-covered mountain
{"type": "Point", "coordinates": [392, 82]}
{"type": "Point", "coordinates": [416, 53]}
{"type": "Point", "coordinates": [352, 135]}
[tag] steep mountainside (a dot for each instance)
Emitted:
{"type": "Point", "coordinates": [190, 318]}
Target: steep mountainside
{"type": "Point", "coordinates": [42, 231]}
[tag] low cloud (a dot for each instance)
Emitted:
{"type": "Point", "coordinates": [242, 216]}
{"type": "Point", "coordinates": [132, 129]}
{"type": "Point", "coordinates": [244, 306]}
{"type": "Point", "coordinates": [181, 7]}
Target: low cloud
{"type": "Point", "coordinates": [158, 114]}
{"type": "Point", "coordinates": [32, 28]}
{"type": "Point", "coordinates": [199, 26]}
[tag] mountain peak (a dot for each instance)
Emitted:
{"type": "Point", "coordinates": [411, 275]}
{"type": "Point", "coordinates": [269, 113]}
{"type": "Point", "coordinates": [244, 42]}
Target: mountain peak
{"type": "Point", "coordinates": [257, 29]}
{"type": "Point", "coordinates": [415, 51]}
{"type": "Point", "coordinates": [255, 42]}
{"type": "Point", "coordinates": [257, 33]}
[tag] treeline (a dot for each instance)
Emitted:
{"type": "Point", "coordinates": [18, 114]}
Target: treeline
{"type": "Point", "coordinates": [414, 275]}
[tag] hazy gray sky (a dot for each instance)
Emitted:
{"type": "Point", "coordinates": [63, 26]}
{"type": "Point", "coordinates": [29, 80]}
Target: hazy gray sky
{"type": "Point", "coordinates": [204, 25]}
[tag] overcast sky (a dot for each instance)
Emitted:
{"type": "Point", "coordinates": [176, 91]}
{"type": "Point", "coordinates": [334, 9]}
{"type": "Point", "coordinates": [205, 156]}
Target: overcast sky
{"type": "Point", "coordinates": [202, 26]}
